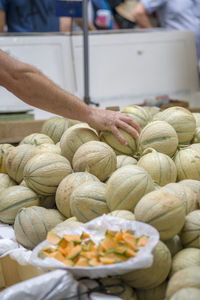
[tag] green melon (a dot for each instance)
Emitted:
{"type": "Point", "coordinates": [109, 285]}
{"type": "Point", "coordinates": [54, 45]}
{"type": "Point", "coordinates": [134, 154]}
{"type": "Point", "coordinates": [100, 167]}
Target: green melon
{"type": "Point", "coordinates": [181, 120]}
{"type": "Point", "coordinates": [186, 294]}
{"type": "Point", "coordinates": [139, 114]}
{"type": "Point", "coordinates": [37, 139]}
{"type": "Point", "coordinates": [56, 126]}
{"type": "Point", "coordinates": [74, 137]}
{"type": "Point", "coordinates": [185, 278]}
{"type": "Point", "coordinates": [126, 186]}
{"type": "Point", "coordinates": [4, 151]}
{"type": "Point", "coordinates": [14, 198]}
{"type": "Point", "coordinates": [196, 137]}
{"type": "Point", "coordinates": [88, 201]}
{"type": "Point", "coordinates": [157, 293]}
{"type": "Point", "coordinates": [33, 223]}
{"type": "Point", "coordinates": [47, 148]}
{"type": "Point", "coordinates": [194, 185]}
{"type": "Point", "coordinates": [159, 165]}
{"type": "Point", "coordinates": [124, 214]}
{"type": "Point", "coordinates": [184, 259]}
{"type": "Point", "coordinates": [162, 210]}
{"type": "Point", "coordinates": [5, 181]}
{"type": "Point", "coordinates": [197, 118]}
{"type": "Point", "coordinates": [96, 158]}
{"type": "Point", "coordinates": [123, 160]}
{"type": "Point", "coordinates": [66, 187]}
{"type": "Point", "coordinates": [154, 275]}
{"type": "Point", "coordinates": [110, 139]}
{"type": "Point", "coordinates": [65, 225]}
{"type": "Point", "coordinates": [17, 160]}
{"type": "Point", "coordinates": [160, 136]}
{"type": "Point", "coordinates": [190, 234]}
{"type": "Point", "coordinates": [47, 201]}
{"type": "Point", "coordinates": [45, 171]}
{"type": "Point", "coordinates": [195, 147]}
{"type": "Point", "coordinates": [152, 110]}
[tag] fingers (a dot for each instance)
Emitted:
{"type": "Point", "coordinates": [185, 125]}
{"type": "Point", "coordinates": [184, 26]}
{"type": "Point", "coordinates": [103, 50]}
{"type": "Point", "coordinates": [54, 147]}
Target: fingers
{"type": "Point", "coordinates": [128, 119]}
{"type": "Point", "coordinates": [118, 135]}
{"type": "Point", "coordinates": [126, 127]}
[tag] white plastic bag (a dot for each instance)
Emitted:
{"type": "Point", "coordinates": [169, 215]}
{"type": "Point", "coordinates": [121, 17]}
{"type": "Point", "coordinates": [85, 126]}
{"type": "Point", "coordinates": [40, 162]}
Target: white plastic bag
{"type": "Point", "coordinates": [97, 228]}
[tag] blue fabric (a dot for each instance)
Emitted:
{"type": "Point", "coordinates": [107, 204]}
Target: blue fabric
{"type": "Point", "coordinates": [30, 15]}
{"type": "Point", "coordinates": [102, 4]}
{"type": "Point", "coordinates": [177, 14]}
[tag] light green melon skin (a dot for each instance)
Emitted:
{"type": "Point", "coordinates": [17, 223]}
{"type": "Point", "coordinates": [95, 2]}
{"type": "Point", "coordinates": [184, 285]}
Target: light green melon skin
{"type": "Point", "coordinates": [185, 194]}
{"type": "Point", "coordinates": [195, 147]}
{"type": "Point", "coordinates": [33, 223]}
{"type": "Point", "coordinates": [96, 158]}
{"type": "Point", "coordinates": [152, 111]}
{"type": "Point", "coordinates": [186, 294]}
{"type": "Point", "coordinates": [160, 136]}
{"type": "Point", "coordinates": [17, 160]}
{"type": "Point", "coordinates": [48, 148]}
{"type": "Point", "coordinates": [65, 225]}
{"type": "Point", "coordinates": [187, 162]}
{"type": "Point", "coordinates": [190, 234]}
{"type": "Point", "coordinates": [114, 283]}
{"type": "Point", "coordinates": [139, 114]}
{"type": "Point", "coordinates": [185, 258]}
{"type": "Point", "coordinates": [124, 214]}
{"type": "Point", "coordinates": [181, 120]}
{"type": "Point", "coordinates": [197, 118]}
{"type": "Point", "coordinates": [185, 278]}
{"type": "Point", "coordinates": [126, 187]}
{"type": "Point", "coordinates": [37, 139]}
{"type": "Point", "coordinates": [123, 160]}
{"type": "Point", "coordinates": [5, 181]}
{"type": "Point", "coordinates": [160, 166]}
{"type": "Point", "coordinates": [74, 137]}
{"type": "Point", "coordinates": [45, 171]}
{"type": "Point", "coordinates": [66, 187]}
{"type": "Point", "coordinates": [4, 151]}
{"type": "Point", "coordinates": [14, 198]}
{"type": "Point", "coordinates": [162, 210]}
{"type": "Point", "coordinates": [174, 245]}
{"type": "Point", "coordinates": [196, 137]}
{"type": "Point", "coordinates": [88, 201]}
{"type": "Point", "coordinates": [112, 141]}
{"type": "Point", "coordinates": [56, 126]}
{"type": "Point", "coordinates": [194, 185]}
{"type": "Point", "coordinates": [156, 274]}
{"type": "Point", "coordinates": [157, 293]}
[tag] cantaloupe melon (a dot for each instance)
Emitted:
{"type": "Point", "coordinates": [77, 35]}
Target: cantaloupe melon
{"type": "Point", "coordinates": [194, 185]}
{"type": "Point", "coordinates": [184, 259]}
{"type": "Point", "coordinates": [185, 278]}
{"type": "Point", "coordinates": [74, 137]}
{"type": "Point", "coordinates": [196, 137]}
{"type": "Point", "coordinates": [123, 160]}
{"type": "Point", "coordinates": [197, 118]}
{"type": "Point", "coordinates": [152, 110]}
{"type": "Point", "coordinates": [33, 223]}
{"type": "Point", "coordinates": [185, 194]}
{"type": "Point", "coordinates": [47, 201]}
{"type": "Point", "coordinates": [37, 139]}
{"type": "Point", "coordinates": [96, 158]}
{"type": "Point", "coordinates": [66, 187]}
{"type": "Point", "coordinates": [154, 275]}
{"type": "Point", "coordinates": [187, 162]}
{"type": "Point", "coordinates": [127, 186]}
{"type": "Point", "coordinates": [195, 147]}
{"type": "Point", "coordinates": [48, 148]}
{"type": "Point", "coordinates": [5, 181]}
{"type": "Point", "coordinates": [182, 121]}
{"type": "Point", "coordinates": [56, 126]}
{"type": "Point", "coordinates": [162, 210]}
{"type": "Point", "coordinates": [186, 294]}
{"type": "Point", "coordinates": [139, 114]}
{"type": "Point", "coordinates": [159, 165]}
{"type": "Point", "coordinates": [69, 223]}
{"type": "Point", "coordinates": [17, 159]}
{"type": "Point", "coordinates": [190, 234]}
{"type": "Point", "coordinates": [4, 151]}
{"type": "Point", "coordinates": [12, 199]}
{"type": "Point", "coordinates": [124, 214]}
{"type": "Point", "coordinates": [174, 245]}
{"type": "Point", "coordinates": [157, 293]}
{"type": "Point", "coordinates": [110, 139]}
{"type": "Point", "coordinates": [45, 171]}
{"type": "Point", "coordinates": [88, 201]}
{"type": "Point", "coordinates": [160, 136]}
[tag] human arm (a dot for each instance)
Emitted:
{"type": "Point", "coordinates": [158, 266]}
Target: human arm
{"type": "Point", "coordinates": [34, 88]}
{"type": "Point", "coordinates": [140, 15]}
{"type": "Point", "coordinates": [2, 20]}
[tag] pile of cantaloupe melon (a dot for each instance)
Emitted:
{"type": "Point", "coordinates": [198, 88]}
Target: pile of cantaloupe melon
{"type": "Point", "coordinates": [68, 175]}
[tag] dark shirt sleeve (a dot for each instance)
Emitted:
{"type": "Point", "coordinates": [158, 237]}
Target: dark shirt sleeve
{"type": "Point", "coordinates": [114, 3]}
{"type": "Point", "coordinates": [2, 4]}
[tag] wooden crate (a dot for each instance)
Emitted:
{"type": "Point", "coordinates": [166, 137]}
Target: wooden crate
{"type": "Point", "coordinates": [14, 131]}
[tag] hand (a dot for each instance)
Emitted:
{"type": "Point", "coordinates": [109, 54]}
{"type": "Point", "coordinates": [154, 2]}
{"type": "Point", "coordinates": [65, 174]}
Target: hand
{"type": "Point", "coordinates": [107, 120]}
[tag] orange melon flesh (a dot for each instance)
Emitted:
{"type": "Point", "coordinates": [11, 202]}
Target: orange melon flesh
{"type": "Point", "coordinates": [80, 251]}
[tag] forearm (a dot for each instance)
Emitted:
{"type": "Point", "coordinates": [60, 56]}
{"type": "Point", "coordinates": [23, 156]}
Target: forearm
{"type": "Point", "coordinates": [141, 16]}
{"type": "Point", "coordinates": [31, 86]}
